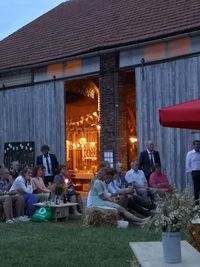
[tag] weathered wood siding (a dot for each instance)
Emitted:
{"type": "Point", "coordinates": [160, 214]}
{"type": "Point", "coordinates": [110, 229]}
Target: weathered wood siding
{"type": "Point", "coordinates": [14, 78]}
{"type": "Point", "coordinates": [36, 114]}
{"type": "Point", "coordinates": [158, 86]}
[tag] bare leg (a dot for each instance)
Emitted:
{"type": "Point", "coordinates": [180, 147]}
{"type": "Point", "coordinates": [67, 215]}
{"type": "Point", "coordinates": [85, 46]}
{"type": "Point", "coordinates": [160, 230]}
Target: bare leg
{"type": "Point", "coordinates": [132, 217]}
{"type": "Point", "coordinates": [74, 208]}
{"type": "Point", "coordinates": [18, 205]}
{"type": "Point", "coordinates": [7, 207]}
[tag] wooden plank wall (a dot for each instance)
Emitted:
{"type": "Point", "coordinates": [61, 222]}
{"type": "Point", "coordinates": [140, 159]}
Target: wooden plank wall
{"type": "Point", "coordinates": [36, 114]}
{"type": "Point", "coordinates": [14, 78]}
{"type": "Point", "coordinates": [158, 86]}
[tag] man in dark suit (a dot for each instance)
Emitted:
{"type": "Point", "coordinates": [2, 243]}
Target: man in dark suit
{"type": "Point", "coordinates": [148, 158]}
{"type": "Point", "coordinates": [49, 161]}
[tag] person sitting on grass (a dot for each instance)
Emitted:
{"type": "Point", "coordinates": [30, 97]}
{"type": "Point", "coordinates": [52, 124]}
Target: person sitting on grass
{"type": "Point", "coordinates": [159, 180]}
{"type": "Point", "coordinates": [39, 189]}
{"type": "Point", "coordinates": [70, 193]}
{"type": "Point", "coordinates": [101, 200]}
{"type": "Point", "coordinates": [22, 184]}
{"type": "Point", "coordinates": [128, 198]}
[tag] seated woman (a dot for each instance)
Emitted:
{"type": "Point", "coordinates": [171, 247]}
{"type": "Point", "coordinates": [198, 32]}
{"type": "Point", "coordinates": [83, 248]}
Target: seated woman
{"type": "Point", "coordinates": [158, 180]}
{"type": "Point", "coordinates": [101, 200]}
{"type": "Point", "coordinates": [70, 193]}
{"type": "Point", "coordinates": [39, 189]}
{"type": "Point", "coordinates": [22, 184]}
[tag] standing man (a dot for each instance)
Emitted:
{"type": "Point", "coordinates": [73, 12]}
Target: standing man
{"type": "Point", "coordinates": [148, 158]}
{"type": "Point", "coordinates": [193, 166]}
{"type": "Point", "coordinates": [49, 161]}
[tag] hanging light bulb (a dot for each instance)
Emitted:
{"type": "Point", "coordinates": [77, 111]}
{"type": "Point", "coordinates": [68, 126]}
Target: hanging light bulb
{"type": "Point", "coordinates": [82, 141]}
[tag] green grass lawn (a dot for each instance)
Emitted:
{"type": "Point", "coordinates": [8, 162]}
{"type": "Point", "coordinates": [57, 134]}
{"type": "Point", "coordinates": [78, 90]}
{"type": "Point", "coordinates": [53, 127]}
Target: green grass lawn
{"type": "Point", "coordinates": [68, 244]}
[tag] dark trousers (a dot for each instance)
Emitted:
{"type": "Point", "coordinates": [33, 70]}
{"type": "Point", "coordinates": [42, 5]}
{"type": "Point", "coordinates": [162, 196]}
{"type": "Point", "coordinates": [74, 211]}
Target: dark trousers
{"type": "Point", "coordinates": [139, 205]}
{"type": "Point", "coordinates": [48, 180]}
{"type": "Point", "coordinates": [196, 184]}
{"type": "Point", "coordinates": [147, 175]}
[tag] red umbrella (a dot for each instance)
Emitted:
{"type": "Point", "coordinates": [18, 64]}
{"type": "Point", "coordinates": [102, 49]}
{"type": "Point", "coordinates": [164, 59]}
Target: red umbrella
{"type": "Point", "coordinates": [184, 115]}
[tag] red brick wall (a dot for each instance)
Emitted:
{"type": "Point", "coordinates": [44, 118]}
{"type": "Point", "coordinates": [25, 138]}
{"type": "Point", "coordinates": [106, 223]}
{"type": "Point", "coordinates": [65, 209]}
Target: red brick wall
{"type": "Point", "coordinates": [116, 89]}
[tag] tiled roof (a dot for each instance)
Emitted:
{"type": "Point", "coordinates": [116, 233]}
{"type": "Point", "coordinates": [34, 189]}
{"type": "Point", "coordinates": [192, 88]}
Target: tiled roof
{"type": "Point", "coordinates": [80, 26]}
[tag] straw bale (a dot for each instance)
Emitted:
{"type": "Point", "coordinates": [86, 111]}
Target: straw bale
{"type": "Point", "coordinates": [100, 217]}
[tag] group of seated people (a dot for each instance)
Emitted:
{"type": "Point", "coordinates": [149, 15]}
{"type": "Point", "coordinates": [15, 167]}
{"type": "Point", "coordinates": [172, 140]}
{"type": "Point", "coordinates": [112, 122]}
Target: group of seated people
{"type": "Point", "coordinates": [20, 192]}
{"type": "Point", "coordinates": [130, 194]}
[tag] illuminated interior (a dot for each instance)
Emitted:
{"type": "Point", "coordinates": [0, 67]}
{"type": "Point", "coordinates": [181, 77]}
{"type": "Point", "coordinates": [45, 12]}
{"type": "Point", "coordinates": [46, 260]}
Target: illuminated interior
{"type": "Point", "coordinates": [82, 131]}
{"type": "Point", "coordinates": [128, 79]}
{"type": "Point", "coordinates": [83, 127]}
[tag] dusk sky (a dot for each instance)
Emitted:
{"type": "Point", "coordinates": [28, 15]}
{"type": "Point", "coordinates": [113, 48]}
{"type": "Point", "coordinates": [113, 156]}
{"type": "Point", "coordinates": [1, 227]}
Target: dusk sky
{"type": "Point", "coordinates": [14, 14]}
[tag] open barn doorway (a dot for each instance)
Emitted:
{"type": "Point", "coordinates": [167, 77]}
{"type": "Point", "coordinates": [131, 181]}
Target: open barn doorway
{"type": "Point", "coordinates": [128, 117]}
{"type": "Point", "coordinates": [82, 130]}
{"type": "Point", "coordinates": [131, 116]}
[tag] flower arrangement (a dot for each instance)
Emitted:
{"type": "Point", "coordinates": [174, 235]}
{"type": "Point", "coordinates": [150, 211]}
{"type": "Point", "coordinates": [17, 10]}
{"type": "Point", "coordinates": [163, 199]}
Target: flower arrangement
{"type": "Point", "coordinates": [174, 212]}
{"type": "Point", "coordinates": [59, 189]}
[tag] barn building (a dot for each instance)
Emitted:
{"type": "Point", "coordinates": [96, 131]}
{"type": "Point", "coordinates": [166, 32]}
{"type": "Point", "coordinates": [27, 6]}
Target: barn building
{"type": "Point", "coordinates": [88, 78]}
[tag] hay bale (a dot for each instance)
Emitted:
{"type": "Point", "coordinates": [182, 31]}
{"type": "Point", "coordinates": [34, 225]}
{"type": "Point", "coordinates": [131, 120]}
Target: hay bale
{"type": "Point", "coordinates": [100, 217]}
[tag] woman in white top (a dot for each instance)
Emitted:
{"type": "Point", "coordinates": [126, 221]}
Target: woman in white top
{"type": "Point", "coordinates": [23, 185]}
{"type": "Point", "coordinates": [101, 200]}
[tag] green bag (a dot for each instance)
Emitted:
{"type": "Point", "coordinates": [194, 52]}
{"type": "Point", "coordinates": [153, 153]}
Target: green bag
{"type": "Point", "coordinates": [42, 214]}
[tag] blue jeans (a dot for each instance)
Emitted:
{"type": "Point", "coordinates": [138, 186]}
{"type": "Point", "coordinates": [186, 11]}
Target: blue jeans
{"type": "Point", "coordinates": [29, 200]}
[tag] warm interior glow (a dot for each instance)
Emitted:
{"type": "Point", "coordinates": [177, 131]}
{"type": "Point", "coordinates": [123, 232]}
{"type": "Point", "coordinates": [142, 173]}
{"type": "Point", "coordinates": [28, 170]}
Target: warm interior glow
{"type": "Point", "coordinates": [83, 141]}
{"type": "Point", "coordinates": [133, 140]}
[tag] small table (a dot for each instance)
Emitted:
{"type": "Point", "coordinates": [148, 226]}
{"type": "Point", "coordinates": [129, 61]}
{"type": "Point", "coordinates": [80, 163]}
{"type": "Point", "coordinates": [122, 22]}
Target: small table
{"type": "Point", "coordinates": [58, 211]}
{"type": "Point", "coordinates": [150, 254]}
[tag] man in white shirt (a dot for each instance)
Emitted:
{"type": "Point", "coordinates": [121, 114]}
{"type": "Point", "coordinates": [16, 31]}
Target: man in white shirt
{"type": "Point", "coordinates": [137, 178]}
{"type": "Point", "coordinates": [193, 166]}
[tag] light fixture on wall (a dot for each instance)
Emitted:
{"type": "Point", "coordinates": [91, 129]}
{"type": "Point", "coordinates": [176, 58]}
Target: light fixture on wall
{"type": "Point", "coordinates": [133, 140]}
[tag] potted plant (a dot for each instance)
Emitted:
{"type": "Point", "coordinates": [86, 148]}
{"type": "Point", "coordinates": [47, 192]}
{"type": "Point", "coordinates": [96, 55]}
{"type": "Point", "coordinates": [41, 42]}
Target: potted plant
{"type": "Point", "coordinates": [174, 213]}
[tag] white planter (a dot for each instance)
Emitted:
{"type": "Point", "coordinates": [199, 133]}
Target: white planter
{"type": "Point", "coordinates": [122, 224]}
{"type": "Point", "coordinates": [171, 242]}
